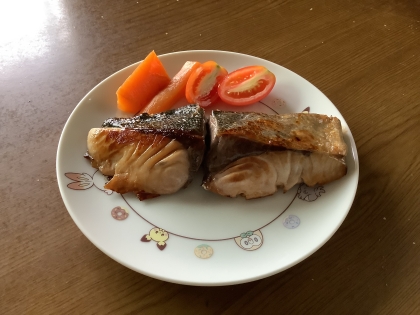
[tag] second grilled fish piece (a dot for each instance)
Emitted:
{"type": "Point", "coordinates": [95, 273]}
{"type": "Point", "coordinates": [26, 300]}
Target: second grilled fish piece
{"type": "Point", "coordinates": [149, 154]}
{"type": "Point", "coordinates": [252, 154]}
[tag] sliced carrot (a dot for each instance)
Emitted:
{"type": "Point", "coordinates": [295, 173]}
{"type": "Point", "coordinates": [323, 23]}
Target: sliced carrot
{"type": "Point", "coordinates": [175, 91]}
{"type": "Point", "coordinates": [142, 85]}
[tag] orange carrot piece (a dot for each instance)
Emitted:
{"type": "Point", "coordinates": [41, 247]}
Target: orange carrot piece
{"type": "Point", "coordinates": [167, 98]}
{"type": "Point", "coordinates": [147, 80]}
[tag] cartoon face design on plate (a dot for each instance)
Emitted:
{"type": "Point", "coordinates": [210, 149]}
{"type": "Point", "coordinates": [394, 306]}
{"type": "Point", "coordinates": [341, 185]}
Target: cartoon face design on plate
{"type": "Point", "coordinates": [251, 240]}
{"type": "Point", "coordinates": [309, 194]}
{"type": "Point", "coordinates": [83, 181]}
{"type": "Point", "coordinates": [158, 235]}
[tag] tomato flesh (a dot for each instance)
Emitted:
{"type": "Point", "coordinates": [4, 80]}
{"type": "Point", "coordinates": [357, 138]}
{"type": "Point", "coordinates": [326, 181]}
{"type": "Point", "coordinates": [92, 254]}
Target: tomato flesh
{"type": "Point", "coordinates": [246, 86]}
{"type": "Point", "coordinates": [203, 84]}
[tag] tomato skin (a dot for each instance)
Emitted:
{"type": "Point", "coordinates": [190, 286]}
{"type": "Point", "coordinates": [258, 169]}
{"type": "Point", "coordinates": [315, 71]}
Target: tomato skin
{"type": "Point", "coordinates": [203, 84]}
{"type": "Point", "coordinates": [246, 86]}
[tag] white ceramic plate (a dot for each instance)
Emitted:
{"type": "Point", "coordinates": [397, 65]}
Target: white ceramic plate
{"type": "Point", "coordinates": [208, 239]}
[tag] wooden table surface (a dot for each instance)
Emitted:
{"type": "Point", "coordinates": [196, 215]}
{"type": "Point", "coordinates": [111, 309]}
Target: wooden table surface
{"type": "Point", "coordinates": [364, 55]}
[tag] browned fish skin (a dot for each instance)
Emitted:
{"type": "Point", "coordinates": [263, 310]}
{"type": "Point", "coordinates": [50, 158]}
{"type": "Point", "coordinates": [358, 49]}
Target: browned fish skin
{"type": "Point", "coordinates": [247, 147]}
{"type": "Point", "coordinates": [185, 124]}
{"type": "Point", "coordinates": [149, 154]}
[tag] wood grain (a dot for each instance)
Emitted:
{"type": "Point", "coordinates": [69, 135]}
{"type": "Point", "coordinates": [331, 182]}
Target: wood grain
{"type": "Point", "coordinates": [364, 55]}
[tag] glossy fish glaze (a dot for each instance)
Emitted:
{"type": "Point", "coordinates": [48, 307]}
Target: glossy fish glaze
{"type": "Point", "coordinates": [149, 154]}
{"type": "Point", "coordinates": [185, 124]}
{"type": "Point", "coordinates": [248, 147]}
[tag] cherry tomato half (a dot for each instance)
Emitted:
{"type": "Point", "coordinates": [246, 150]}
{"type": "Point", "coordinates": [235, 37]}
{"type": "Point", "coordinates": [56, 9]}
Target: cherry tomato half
{"type": "Point", "coordinates": [246, 86]}
{"type": "Point", "coordinates": [203, 83]}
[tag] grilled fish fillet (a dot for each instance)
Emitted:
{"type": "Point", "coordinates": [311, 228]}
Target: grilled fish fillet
{"type": "Point", "coordinates": [149, 154]}
{"type": "Point", "coordinates": [253, 154]}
